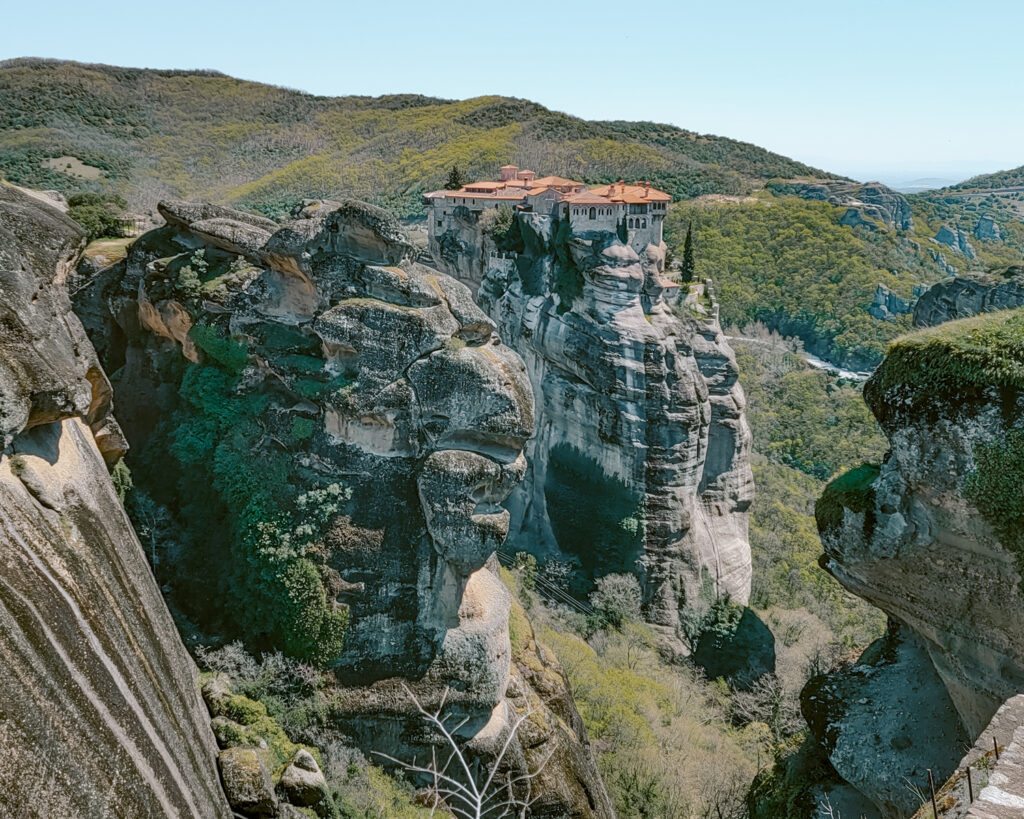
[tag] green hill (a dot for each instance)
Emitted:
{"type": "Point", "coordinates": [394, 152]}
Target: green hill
{"type": "Point", "coordinates": [149, 134]}
{"type": "Point", "coordinates": [990, 181]}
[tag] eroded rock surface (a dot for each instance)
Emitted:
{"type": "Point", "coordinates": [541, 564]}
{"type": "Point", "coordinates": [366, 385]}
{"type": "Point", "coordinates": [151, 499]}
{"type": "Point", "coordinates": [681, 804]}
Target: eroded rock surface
{"type": "Point", "coordinates": [100, 711]}
{"type": "Point", "coordinates": [640, 436]}
{"type": "Point", "coordinates": [916, 536]}
{"type": "Point", "coordinates": [370, 371]}
{"type": "Point", "coordinates": [972, 295]}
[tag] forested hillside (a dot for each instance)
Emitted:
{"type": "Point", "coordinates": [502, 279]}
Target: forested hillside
{"type": "Point", "coordinates": [149, 134]}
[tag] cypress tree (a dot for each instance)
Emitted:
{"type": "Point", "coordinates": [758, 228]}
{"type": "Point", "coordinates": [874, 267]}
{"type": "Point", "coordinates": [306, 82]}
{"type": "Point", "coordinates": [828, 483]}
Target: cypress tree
{"type": "Point", "coordinates": [689, 265]}
{"type": "Point", "coordinates": [455, 179]}
{"type": "Point", "coordinates": [623, 233]}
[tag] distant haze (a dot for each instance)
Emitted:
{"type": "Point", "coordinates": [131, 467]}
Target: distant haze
{"type": "Point", "coordinates": [898, 91]}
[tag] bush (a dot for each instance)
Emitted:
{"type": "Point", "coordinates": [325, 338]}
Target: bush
{"type": "Point", "coordinates": [617, 598]}
{"type": "Point", "coordinates": [97, 213]}
{"type": "Point", "coordinates": [227, 352]}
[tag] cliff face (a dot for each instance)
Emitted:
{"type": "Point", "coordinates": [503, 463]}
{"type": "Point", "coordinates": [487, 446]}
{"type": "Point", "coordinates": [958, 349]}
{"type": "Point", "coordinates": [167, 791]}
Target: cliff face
{"type": "Point", "coordinates": [967, 296]}
{"type": "Point", "coordinates": [101, 712]}
{"type": "Point", "coordinates": [933, 535]}
{"type": "Point", "coordinates": [366, 425]}
{"type": "Point", "coordinates": [640, 458]}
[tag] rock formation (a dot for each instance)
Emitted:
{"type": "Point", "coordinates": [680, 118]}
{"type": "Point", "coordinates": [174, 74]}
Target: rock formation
{"type": "Point", "coordinates": [955, 239]}
{"type": "Point", "coordinates": [871, 204]}
{"type": "Point", "coordinates": [640, 458]}
{"type": "Point", "coordinates": [972, 295]}
{"type": "Point", "coordinates": [932, 535]}
{"type": "Point", "coordinates": [887, 306]}
{"type": "Point", "coordinates": [987, 229]}
{"type": "Point", "coordinates": [366, 412]}
{"type": "Point", "coordinates": [100, 713]}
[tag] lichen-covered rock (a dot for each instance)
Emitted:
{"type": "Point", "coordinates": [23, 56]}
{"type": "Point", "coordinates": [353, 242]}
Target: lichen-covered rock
{"type": "Point", "coordinates": [640, 458]}
{"type": "Point", "coordinates": [345, 364]}
{"type": "Point", "coordinates": [100, 713]}
{"type": "Point", "coordinates": [247, 782]}
{"type": "Point", "coordinates": [885, 721]}
{"type": "Point", "coordinates": [303, 784]}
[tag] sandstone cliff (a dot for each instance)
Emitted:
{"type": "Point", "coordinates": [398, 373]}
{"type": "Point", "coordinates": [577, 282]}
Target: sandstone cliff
{"type": "Point", "coordinates": [336, 426]}
{"type": "Point", "coordinates": [100, 713]}
{"type": "Point", "coordinates": [933, 535]}
{"type": "Point", "coordinates": [640, 457]}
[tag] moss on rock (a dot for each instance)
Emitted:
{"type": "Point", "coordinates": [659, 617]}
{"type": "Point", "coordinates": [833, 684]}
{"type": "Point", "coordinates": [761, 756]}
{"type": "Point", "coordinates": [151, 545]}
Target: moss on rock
{"type": "Point", "coordinates": [853, 490]}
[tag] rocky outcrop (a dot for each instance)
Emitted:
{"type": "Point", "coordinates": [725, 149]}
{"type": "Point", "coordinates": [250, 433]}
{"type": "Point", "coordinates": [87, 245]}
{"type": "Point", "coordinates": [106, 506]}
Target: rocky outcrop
{"type": "Point", "coordinates": [932, 535]}
{"type": "Point", "coordinates": [955, 239]}
{"type": "Point", "coordinates": [885, 721]}
{"type": "Point", "coordinates": [870, 204]}
{"type": "Point", "coordinates": [887, 306]}
{"type": "Point", "coordinates": [640, 458]}
{"type": "Point", "coordinates": [967, 296]}
{"type": "Point", "coordinates": [379, 387]}
{"type": "Point", "coordinates": [101, 714]}
{"type": "Point", "coordinates": [987, 229]}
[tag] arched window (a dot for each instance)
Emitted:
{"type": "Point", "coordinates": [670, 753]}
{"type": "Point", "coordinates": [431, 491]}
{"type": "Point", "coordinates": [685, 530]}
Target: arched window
{"type": "Point", "coordinates": [631, 222]}
{"type": "Point", "coordinates": [593, 213]}
{"type": "Point", "coordinates": [644, 223]}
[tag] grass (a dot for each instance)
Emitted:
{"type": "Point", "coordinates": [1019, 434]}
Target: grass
{"type": "Point", "coordinates": [952, 361]}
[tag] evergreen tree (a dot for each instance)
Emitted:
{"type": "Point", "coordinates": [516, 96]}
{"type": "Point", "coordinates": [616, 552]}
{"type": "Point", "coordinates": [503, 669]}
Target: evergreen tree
{"type": "Point", "coordinates": [688, 267]}
{"type": "Point", "coordinates": [622, 232]}
{"type": "Point", "coordinates": [456, 179]}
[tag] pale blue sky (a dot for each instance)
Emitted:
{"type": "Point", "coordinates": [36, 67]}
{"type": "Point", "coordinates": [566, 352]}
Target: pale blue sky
{"type": "Point", "coordinates": [867, 88]}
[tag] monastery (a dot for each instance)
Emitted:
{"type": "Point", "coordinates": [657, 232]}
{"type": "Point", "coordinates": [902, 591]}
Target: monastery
{"type": "Point", "coordinates": [604, 207]}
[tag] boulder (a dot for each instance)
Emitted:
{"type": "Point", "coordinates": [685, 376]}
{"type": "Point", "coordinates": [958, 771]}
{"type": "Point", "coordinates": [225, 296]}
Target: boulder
{"type": "Point", "coordinates": [970, 295]}
{"type": "Point", "coordinates": [247, 782]}
{"type": "Point", "coordinates": [955, 239]}
{"type": "Point", "coordinates": [303, 784]}
{"type": "Point", "coordinates": [987, 229]}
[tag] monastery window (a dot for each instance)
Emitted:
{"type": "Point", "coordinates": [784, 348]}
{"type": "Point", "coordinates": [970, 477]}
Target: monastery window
{"type": "Point", "coordinates": [631, 223]}
{"type": "Point", "coordinates": [644, 223]}
{"type": "Point", "coordinates": [439, 223]}
{"type": "Point", "coordinates": [593, 213]}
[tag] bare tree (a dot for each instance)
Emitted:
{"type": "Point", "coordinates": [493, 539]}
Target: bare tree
{"type": "Point", "coordinates": [457, 787]}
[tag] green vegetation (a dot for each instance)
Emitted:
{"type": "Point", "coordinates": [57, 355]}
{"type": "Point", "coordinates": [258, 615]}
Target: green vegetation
{"type": "Point", "coordinates": [958, 358]}
{"type": "Point", "coordinates": [456, 179]}
{"type": "Point", "coordinates": [853, 490]}
{"type": "Point", "coordinates": [595, 517]}
{"type": "Point", "coordinates": [802, 417]}
{"type": "Point", "coordinates": [237, 488]}
{"type": "Point", "coordinates": [204, 135]}
{"type": "Point", "coordinates": [668, 743]}
{"type": "Point", "coordinates": [788, 263]}
{"type": "Point", "coordinates": [288, 704]}
{"type": "Point", "coordinates": [996, 487]}
{"type": "Point", "coordinates": [121, 476]}
{"type": "Point", "coordinates": [688, 266]}
{"type": "Point", "coordinates": [97, 213]}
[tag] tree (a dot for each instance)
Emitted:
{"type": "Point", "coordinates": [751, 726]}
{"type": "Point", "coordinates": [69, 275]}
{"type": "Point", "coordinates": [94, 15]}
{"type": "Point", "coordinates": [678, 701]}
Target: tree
{"type": "Point", "coordinates": [456, 788]}
{"type": "Point", "coordinates": [622, 232]}
{"type": "Point", "coordinates": [97, 213]}
{"type": "Point", "coordinates": [456, 179]}
{"type": "Point", "coordinates": [688, 266]}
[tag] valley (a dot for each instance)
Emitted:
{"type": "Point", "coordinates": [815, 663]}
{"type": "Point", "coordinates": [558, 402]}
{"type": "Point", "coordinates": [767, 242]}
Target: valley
{"type": "Point", "coordinates": [286, 375]}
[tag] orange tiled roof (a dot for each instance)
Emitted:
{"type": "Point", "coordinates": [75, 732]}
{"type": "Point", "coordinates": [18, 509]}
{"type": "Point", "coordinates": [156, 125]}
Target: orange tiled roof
{"type": "Point", "coordinates": [555, 181]}
{"type": "Point", "coordinates": [630, 194]}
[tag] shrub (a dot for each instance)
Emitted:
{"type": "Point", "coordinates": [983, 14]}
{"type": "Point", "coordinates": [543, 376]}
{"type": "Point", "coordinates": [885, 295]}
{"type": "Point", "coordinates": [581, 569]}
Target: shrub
{"type": "Point", "coordinates": [97, 213]}
{"type": "Point", "coordinates": [226, 352]}
{"type": "Point", "coordinates": [617, 598]}
{"type": "Point", "coordinates": [121, 476]}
